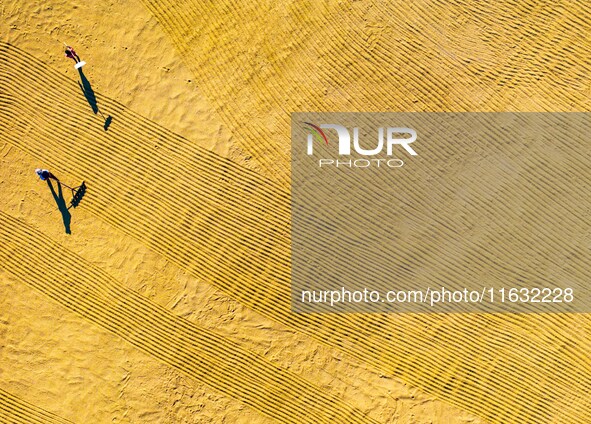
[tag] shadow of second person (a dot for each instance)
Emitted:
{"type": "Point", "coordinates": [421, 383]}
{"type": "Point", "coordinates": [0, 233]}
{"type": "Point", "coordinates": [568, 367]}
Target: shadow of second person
{"type": "Point", "coordinates": [61, 204]}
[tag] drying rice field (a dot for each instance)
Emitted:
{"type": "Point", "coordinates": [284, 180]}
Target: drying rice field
{"type": "Point", "coordinates": [169, 302]}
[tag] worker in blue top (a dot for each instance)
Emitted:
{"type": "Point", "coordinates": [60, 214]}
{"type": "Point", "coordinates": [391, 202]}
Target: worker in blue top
{"type": "Point", "coordinates": [44, 174]}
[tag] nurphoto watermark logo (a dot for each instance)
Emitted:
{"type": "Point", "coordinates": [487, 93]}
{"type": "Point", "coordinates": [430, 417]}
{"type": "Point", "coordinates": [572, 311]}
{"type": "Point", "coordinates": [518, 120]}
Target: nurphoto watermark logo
{"type": "Point", "coordinates": [396, 212]}
{"type": "Point", "coordinates": [387, 138]}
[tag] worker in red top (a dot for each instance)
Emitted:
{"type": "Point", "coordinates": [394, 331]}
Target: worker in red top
{"type": "Point", "coordinates": [72, 54]}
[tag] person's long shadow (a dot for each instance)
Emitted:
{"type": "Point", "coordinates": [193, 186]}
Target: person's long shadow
{"type": "Point", "coordinates": [88, 91]}
{"type": "Point", "coordinates": [61, 204]}
{"type": "Point", "coordinates": [91, 98]}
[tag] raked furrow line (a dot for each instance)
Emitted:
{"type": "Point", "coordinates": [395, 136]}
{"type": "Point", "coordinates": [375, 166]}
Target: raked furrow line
{"type": "Point", "coordinates": [230, 227]}
{"type": "Point", "coordinates": [91, 293]}
{"type": "Point", "coordinates": [16, 411]}
{"type": "Point", "coordinates": [258, 63]}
